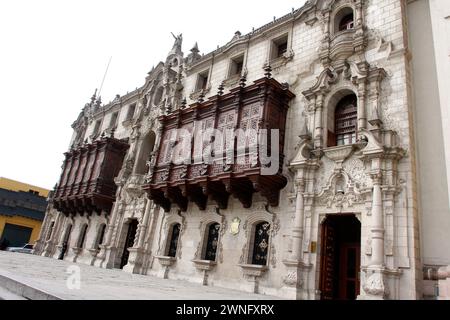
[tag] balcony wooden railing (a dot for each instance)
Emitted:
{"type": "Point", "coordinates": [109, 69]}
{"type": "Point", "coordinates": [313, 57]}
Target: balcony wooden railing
{"type": "Point", "coordinates": [87, 179]}
{"type": "Point", "coordinates": [262, 105]}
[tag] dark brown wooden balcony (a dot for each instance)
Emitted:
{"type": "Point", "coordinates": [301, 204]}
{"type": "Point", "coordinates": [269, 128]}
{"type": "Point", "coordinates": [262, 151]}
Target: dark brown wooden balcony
{"type": "Point", "coordinates": [87, 180]}
{"type": "Point", "coordinates": [262, 105]}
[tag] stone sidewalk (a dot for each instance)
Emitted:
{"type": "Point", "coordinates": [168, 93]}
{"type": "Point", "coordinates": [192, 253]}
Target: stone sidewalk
{"type": "Point", "coordinates": [35, 277]}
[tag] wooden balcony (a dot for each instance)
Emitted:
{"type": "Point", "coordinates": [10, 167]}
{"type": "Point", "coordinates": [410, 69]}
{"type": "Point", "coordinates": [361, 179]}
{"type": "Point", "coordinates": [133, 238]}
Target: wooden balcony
{"type": "Point", "coordinates": [262, 105]}
{"type": "Point", "coordinates": [87, 180]}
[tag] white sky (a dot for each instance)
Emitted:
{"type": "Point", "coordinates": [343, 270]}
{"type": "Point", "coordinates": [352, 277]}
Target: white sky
{"type": "Point", "coordinates": [53, 55]}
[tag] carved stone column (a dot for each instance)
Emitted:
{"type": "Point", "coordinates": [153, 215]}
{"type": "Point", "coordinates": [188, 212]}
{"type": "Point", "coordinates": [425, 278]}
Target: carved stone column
{"type": "Point", "coordinates": [137, 253]}
{"type": "Point", "coordinates": [362, 114]}
{"type": "Point", "coordinates": [296, 269]}
{"type": "Point", "coordinates": [318, 136]}
{"type": "Point", "coordinates": [154, 153]}
{"type": "Point", "coordinates": [49, 245]}
{"type": "Point", "coordinates": [144, 226]}
{"type": "Point", "coordinates": [325, 46]}
{"type": "Point", "coordinates": [375, 78]}
{"type": "Point", "coordinates": [107, 254]}
{"type": "Point", "coordinates": [359, 14]}
{"type": "Point", "coordinates": [377, 228]}
{"type": "Point", "coordinates": [297, 230]}
{"type": "Point", "coordinates": [374, 282]}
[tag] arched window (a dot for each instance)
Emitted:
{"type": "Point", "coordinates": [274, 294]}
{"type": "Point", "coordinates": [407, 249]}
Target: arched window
{"type": "Point", "coordinates": [345, 120]}
{"type": "Point", "coordinates": [347, 22]}
{"type": "Point", "coordinates": [212, 242]}
{"type": "Point", "coordinates": [100, 236]}
{"type": "Point", "coordinates": [82, 237]}
{"type": "Point", "coordinates": [158, 96]}
{"type": "Point", "coordinates": [67, 235]}
{"type": "Point", "coordinates": [261, 243]}
{"type": "Point", "coordinates": [50, 230]}
{"type": "Point", "coordinates": [172, 244]}
{"type": "Point", "coordinates": [344, 20]}
{"type": "Point", "coordinates": [146, 149]}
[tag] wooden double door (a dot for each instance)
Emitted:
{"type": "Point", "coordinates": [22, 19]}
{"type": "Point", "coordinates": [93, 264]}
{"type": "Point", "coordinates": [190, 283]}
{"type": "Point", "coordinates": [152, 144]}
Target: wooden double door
{"type": "Point", "coordinates": [340, 258]}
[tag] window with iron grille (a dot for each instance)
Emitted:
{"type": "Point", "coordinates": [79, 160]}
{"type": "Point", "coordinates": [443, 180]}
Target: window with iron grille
{"type": "Point", "coordinates": [82, 237]}
{"type": "Point", "coordinates": [345, 117]}
{"type": "Point", "coordinates": [100, 237]}
{"type": "Point", "coordinates": [173, 240]}
{"type": "Point", "coordinates": [212, 242]}
{"type": "Point", "coordinates": [261, 244]}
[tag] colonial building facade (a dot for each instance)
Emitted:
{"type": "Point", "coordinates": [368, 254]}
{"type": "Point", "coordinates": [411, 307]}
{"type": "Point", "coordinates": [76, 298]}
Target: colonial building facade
{"type": "Point", "coordinates": [340, 216]}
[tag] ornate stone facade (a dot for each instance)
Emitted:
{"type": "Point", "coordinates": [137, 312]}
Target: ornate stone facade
{"type": "Point", "coordinates": [323, 52]}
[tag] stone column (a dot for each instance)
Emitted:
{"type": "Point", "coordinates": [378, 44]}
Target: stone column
{"type": "Point", "coordinates": [359, 14]}
{"type": "Point", "coordinates": [377, 228]}
{"type": "Point", "coordinates": [374, 281]}
{"type": "Point", "coordinates": [50, 244]}
{"type": "Point", "coordinates": [362, 115]}
{"type": "Point", "coordinates": [143, 227]}
{"type": "Point", "coordinates": [106, 256]}
{"type": "Point", "coordinates": [154, 153]}
{"type": "Point", "coordinates": [137, 253]}
{"type": "Point", "coordinates": [318, 137]}
{"type": "Point", "coordinates": [297, 230]}
{"type": "Point", "coordinates": [150, 238]}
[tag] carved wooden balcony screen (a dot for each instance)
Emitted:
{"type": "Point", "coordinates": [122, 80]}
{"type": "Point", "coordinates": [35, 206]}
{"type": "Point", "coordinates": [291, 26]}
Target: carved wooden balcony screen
{"type": "Point", "coordinates": [87, 179]}
{"type": "Point", "coordinates": [262, 105]}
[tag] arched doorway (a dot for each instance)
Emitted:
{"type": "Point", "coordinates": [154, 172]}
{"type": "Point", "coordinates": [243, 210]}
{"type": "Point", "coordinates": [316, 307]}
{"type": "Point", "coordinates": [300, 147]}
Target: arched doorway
{"type": "Point", "coordinates": [129, 242]}
{"type": "Point", "coordinates": [340, 257]}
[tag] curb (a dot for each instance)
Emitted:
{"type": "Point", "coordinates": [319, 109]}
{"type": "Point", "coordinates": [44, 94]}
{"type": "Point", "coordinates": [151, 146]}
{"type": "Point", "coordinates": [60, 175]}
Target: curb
{"type": "Point", "coordinates": [24, 290]}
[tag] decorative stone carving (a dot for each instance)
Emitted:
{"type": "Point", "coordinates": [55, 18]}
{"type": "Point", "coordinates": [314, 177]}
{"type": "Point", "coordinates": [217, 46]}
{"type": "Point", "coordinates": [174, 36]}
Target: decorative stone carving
{"type": "Point", "coordinates": [234, 226]}
{"type": "Point", "coordinates": [375, 285]}
{"type": "Point", "coordinates": [273, 256]}
{"type": "Point", "coordinates": [356, 170]}
{"type": "Point", "coordinates": [323, 174]}
{"type": "Point", "coordinates": [338, 154]}
{"type": "Point", "coordinates": [292, 280]}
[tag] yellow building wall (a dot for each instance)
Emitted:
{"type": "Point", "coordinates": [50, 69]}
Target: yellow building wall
{"type": "Point", "coordinates": [13, 185]}
{"type": "Point", "coordinates": [24, 222]}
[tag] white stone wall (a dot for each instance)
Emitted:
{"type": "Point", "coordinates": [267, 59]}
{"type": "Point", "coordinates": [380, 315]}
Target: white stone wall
{"type": "Point", "coordinates": [430, 62]}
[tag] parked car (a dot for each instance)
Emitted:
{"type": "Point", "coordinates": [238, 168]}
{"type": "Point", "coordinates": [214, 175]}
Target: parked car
{"type": "Point", "coordinates": [28, 248]}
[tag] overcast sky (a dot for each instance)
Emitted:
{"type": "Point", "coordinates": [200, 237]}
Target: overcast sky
{"type": "Point", "coordinates": [53, 54]}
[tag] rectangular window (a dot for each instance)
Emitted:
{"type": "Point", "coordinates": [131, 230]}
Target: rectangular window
{"type": "Point", "coordinates": [237, 65]}
{"type": "Point", "coordinates": [113, 121]}
{"type": "Point", "coordinates": [131, 110]}
{"type": "Point", "coordinates": [279, 47]}
{"type": "Point", "coordinates": [202, 80]}
{"type": "Point", "coordinates": [97, 127]}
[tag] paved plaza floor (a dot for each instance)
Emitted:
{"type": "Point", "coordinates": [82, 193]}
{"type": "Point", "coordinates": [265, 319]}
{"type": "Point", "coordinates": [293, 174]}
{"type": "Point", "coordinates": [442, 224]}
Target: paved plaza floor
{"type": "Point", "coordinates": [49, 277]}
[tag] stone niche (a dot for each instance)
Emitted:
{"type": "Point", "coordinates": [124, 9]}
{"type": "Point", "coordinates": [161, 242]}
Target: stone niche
{"type": "Point", "coordinates": [236, 168]}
